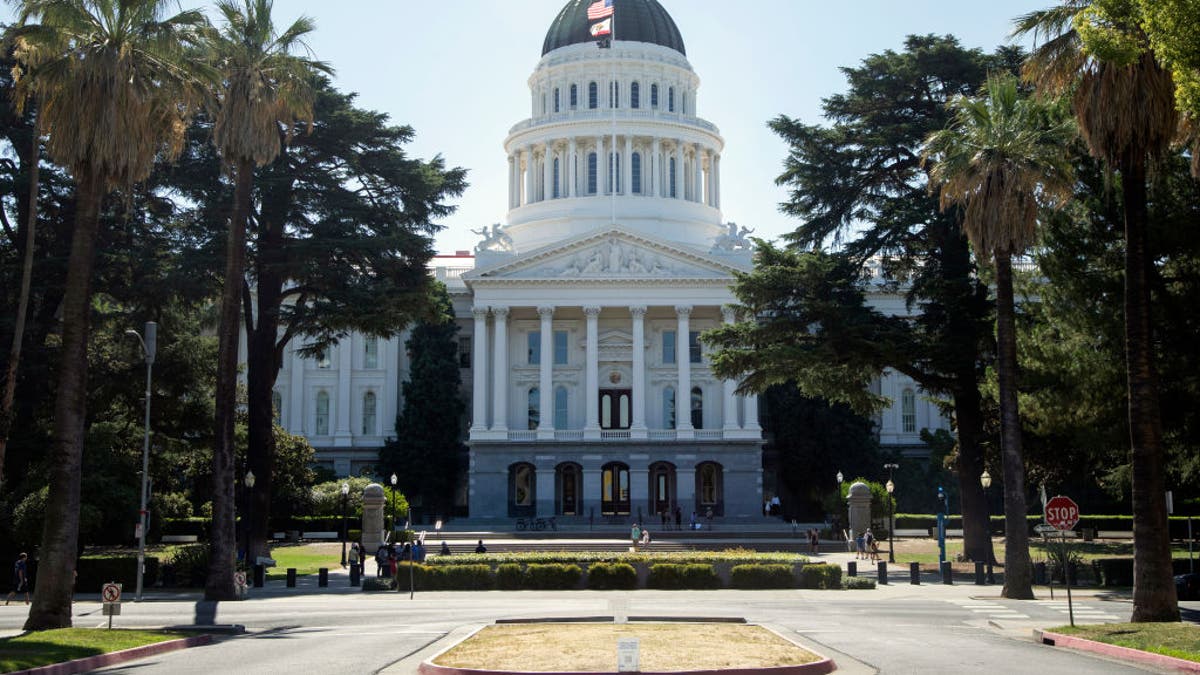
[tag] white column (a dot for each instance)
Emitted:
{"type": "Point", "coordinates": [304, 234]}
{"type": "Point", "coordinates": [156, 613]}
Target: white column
{"type": "Point", "coordinates": [500, 371]}
{"type": "Point", "coordinates": [572, 161]}
{"type": "Point", "coordinates": [651, 188]}
{"type": "Point", "coordinates": [547, 172]}
{"type": "Point", "coordinates": [697, 177]}
{"type": "Point", "coordinates": [680, 181]}
{"type": "Point", "coordinates": [752, 413]}
{"type": "Point", "coordinates": [627, 162]}
{"type": "Point", "coordinates": [601, 167]}
{"type": "Point", "coordinates": [592, 383]}
{"type": "Point", "coordinates": [293, 414]}
{"type": "Point", "coordinates": [717, 191]}
{"type": "Point", "coordinates": [708, 184]}
{"type": "Point", "coordinates": [729, 387]}
{"type": "Point", "coordinates": [638, 423]}
{"type": "Point", "coordinates": [342, 434]}
{"type": "Point", "coordinates": [510, 181]}
{"type": "Point", "coordinates": [479, 376]}
{"type": "Point", "coordinates": [683, 392]}
{"type": "Point", "coordinates": [546, 376]}
{"type": "Point", "coordinates": [530, 191]}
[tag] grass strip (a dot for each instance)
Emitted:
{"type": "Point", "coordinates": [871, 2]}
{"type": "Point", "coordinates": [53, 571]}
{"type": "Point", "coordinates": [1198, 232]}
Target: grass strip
{"type": "Point", "coordinates": [43, 648]}
{"type": "Point", "coordinates": [1180, 640]}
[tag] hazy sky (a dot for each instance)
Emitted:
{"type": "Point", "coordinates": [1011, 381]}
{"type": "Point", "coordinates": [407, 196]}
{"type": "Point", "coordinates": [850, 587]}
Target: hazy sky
{"type": "Point", "coordinates": [457, 70]}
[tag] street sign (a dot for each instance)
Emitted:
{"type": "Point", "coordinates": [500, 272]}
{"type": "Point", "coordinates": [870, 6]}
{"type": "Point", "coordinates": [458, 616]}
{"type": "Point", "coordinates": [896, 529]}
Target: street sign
{"type": "Point", "coordinates": [1062, 513]}
{"type": "Point", "coordinates": [111, 592]}
{"type": "Point", "coordinates": [111, 609]}
{"type": "Point", "coordinates": [627, 655]}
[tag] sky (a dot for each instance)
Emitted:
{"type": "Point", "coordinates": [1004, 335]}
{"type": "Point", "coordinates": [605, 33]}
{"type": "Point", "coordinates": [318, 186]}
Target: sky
{"type": "Point", "coordinates": [457, 71]}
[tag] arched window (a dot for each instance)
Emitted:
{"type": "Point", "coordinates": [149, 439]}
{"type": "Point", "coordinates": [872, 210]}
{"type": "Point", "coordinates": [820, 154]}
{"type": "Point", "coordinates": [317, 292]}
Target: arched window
{"type": "Point", "coordinates": [370, 352]}
{"type": "Point", "coordinates": [535, 408]}
{"type": "Point", "coordinates": [669, 407]}
{"type": "Point", "coordinates": [670, 99]}
{"type": "Point", "coordinates": [574, 96]}
{"type": "Point", "coordinates": [521, 489]}
{"type": "Point", "coordinates": [591, 186]}
{"type": "Point", "coordinates": [908, 411]}
{"type": "Point", "coordinates": [636, 178]}
{"type": "Point", "coordinates": [654, 96]}
{"type": "Point", "coordinates": [709, 485]}
{"type": "Point", "coordinates": [368, 414]}
{"type": "Point", "coordinates": [322, 418]}
{"type": "Point", "coordinates": [568, 481]}
{"type": "Point", "coordinates": [277, 406]}
{"type": "Point", "coordinates": [562, 414]}
{"type": "Point", "coordinates": [614, 165]}
{"type": "Point", "coordinates": [697, 408]}
{"type": "Point", "coordinates": [635, 95]}
{"type": "Point", "coordinates": [556, 181]}
{"type": "Point", "coordinates": [672, 177]}
{"type": "Point", "coordinates": [593, 95]}
{"type": "Point", "coordinates": [557, 100]}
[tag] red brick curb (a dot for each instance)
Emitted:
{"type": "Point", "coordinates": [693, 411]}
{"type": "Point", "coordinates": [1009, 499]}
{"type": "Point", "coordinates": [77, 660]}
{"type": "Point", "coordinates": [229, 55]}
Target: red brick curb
{"type": "Point", "coordinates": [90, 663]}
{"type": "Point", "coordinates": [1115, 651]}
{"type": "Point", "coordinates": [815, 668]}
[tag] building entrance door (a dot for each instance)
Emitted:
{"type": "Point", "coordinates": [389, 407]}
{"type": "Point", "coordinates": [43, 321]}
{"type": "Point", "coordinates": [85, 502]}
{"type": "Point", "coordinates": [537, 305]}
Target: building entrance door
{"type": "Point", "coordinates": [662, 487]}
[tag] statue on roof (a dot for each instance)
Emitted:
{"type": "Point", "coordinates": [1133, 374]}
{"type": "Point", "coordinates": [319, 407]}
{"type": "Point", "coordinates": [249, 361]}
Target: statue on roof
{"type": "Point", "coordinates": [735, 240]}
{"type": "Point", "coordinates": [494, 240]}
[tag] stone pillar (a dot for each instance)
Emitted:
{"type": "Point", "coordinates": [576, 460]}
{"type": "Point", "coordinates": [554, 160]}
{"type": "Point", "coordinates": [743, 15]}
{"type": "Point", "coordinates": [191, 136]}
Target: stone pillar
{"type": "Point", "coordinates": [543, 493]}
{"type": "Point", "coordinates": [685, 488]}
{"type": "Point", "coordinates": [372, 518]}
{"type": "Point", "coordinates": [592, 383]}
{"type": "Point", "coordinates": [547, 172]}
{"type": "Point", "coordinates": [683, 392]}
{"type": "Point", "coordinates": [652, 167]}
{"type": "Point", "coordinates": [479, 371]}
{"type": "Point", "coordinates": [679, 179]}
{"type": "Point", "coordinates": [601, 167]}
{"type": "Point", "coordinates": [530, 191]}
{"type": "Point", "coordinates": [627, 163]}
{"type": "Point", "coordinates": [511, 182]}
{"type": "Point", "coordinates": [639, 493]}
{"type": "Point", "coordinates": [729, 387]}
{"type": "Point", "coordinates": [637, 427]}
{"type": "Point", "coordinates": [572, 161]}
{"type": "Point", "coordinates": [589, 502]}
{"type": "Point", "coordinates": [858, 503]}
{"type": "Point", "coordinates": [751, 422]}
{"type": "Point", "coordinates": [717, 173]}
{"type": "Point", "coordinates": [342, 436]}
{"type": "Point", "coordinates": [293, 415]}
{"type": "Point", "coordinates": [697, 174]}
{"type": "Point", "coordinates": [500, 371]}
{"type": "Point", "coordinates": [546, 377]}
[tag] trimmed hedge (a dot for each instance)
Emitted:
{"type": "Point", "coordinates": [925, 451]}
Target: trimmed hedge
{"type": "Point", "coordinates": [93, 573]}
{"type": "Point", "coordinates": [465, 578]}
{"type": "Point", "coordinates": [858, 584]}
{"type": "Point", "coordinates": [730, 557]}
{"type": "Point", "coordinates": [821, 576]}
{"type": "Point", "coordinates": [669, 576]}
{"type": "Point", "coordinates": [552, 577]}
{"type": "Point", "coordinates": [761, 576]}
{"type": "Point", "coordinates": [611, 576]}
{"type": "Point", "coordinates": [377, 584]}
{"type": "Point", "coordinates": [509, 577]}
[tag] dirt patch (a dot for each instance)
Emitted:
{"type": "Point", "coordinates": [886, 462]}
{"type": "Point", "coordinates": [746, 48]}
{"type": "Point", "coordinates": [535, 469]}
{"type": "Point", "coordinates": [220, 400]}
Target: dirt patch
{"type": "Point", "coordinates": [665, 647]}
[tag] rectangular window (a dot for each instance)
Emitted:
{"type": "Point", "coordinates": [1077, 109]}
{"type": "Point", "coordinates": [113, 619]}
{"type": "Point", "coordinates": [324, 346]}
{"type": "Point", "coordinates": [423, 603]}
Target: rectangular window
{"type": "Point", "coordinates": [694, 351]}
{"type": "Point", "coordinates": [561, 355]}
{"type": "Point", "coordinates": [556, 100]}
{"type": "Point", "coordinates": [574, 96]}
{"type": "Point", "coordinates": [323, 361]}
{"type": "Point", "coordinates": [464, 352]}
{"type": "Point", "coordinates": [534, 348]}
{"type": "Point", "coordinates": [668, 346]}
{"type": "Point", "coordinates": [637, 173]}
{"type": "Point", "coordinates": [654, 96]}
{"type": "Point", "coordinates": [371, 352]}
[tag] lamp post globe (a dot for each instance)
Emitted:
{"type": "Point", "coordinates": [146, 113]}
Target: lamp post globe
{"type": "Point", "coordinates": [891, 488]}
{"type": "Point", "coordinates": [345, 493]}
{"type": "Point", "coordinates": [985, 480]}
{"type": "Point", "coordinates": [394, 479]}
{"type": "Point", "coordinates": [248, 481]}
{"type": "Point", "coordinates": [840, 480]}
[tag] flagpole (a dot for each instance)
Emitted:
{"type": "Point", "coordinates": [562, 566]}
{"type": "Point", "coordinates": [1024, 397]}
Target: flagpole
{"type": "Point", "coordinates": [614, 99]}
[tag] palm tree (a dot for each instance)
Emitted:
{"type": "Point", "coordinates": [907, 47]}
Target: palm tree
{"type": "Point", "coordinates": [1000, 156]}
{"type": "Point", "coordinates": [265, 91]}
{"type": "Point", "coordinates": [1124, 102]}
{"type": "Point", "coordinates": [112, 80]}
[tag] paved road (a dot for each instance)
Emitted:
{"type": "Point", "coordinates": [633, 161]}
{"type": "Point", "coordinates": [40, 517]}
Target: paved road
{"type": "Point", "coordinates": [895, 629]}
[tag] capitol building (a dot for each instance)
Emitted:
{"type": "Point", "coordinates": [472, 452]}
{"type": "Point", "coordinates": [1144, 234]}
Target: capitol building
{"type": "Point", "coordinates": [589, 393]}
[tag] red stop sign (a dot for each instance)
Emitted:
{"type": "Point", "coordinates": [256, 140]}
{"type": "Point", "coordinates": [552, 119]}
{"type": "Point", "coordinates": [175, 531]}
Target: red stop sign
{"type": "Point", "coordinates": [1062, 513]}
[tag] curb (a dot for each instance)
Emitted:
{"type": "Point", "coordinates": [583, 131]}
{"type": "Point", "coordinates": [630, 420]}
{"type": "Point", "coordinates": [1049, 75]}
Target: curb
{"type": "Point", "coordinates": [1125, 653]}
{"type": "Point", "coordinates": [90, 663]}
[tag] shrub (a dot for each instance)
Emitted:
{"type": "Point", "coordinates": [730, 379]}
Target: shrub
{"type": "Point", "coordinates": [858, 584]}
{"type": "Point", "coordinates": [665, 576]}
{"type": "Point", "coordinates": [552, 577]}
{"type": "Point", "coordinates": [669, 576]}
{"type": "Point", "coordinates": [188, 568]}
{"type": "Point", "coordinates": [611, 576]}
{"type": "Point", "coordinates": [171, 505]}
{"type": "Point", "coordinates": [465, 578]}
{"type": "Point", "coordinates": [424, 577]}
{"type": "Point", "coordinates": [509, 577]}
{"type": "Point", "coordinates": [821, 576]}
{"type": "Point", "coordinates": [377, 584]}
{"type": "Point", "coordinates": [761, 576]}
{"type": "Point", "coordinates": [702, 577]}
{"type": "Point", "coordinates": [95, 572]}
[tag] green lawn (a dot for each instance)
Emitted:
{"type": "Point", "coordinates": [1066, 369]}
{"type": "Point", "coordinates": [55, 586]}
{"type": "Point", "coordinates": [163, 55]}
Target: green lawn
{"type": "Point", "coordinates": [925, 551]}
{"type": "Point", "coordinates": [1181, 640]}
{"type": "Point", "coordinates": [55, 646]}
{"type": "Point", "coordinates": [306, 558]}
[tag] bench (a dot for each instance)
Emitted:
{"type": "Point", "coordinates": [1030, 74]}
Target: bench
{"type": "Point", "coordinates": [179, 539]}
{"type": "Point", "coordinates": [322, 535]}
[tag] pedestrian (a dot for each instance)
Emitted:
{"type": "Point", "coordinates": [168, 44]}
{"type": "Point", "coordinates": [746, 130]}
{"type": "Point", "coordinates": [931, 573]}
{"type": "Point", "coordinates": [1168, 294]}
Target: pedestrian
{"type": "Point", "coordinates": [418, 552]}
{"type": "Point", "coordinates": [869, 545]}
{"type": "Point", "coordinates": [814, 541]}
{"type": "Point", "coordinates": [708, 516]}
{"type": "Point", "coordinates": [645, 538]}
{"type": "Point", "coordinates": [353, 556]}
{"type": "Point", "coordinates": [776, 505]}
{"type": "Point", "coordinates": [445, 549]}
{"type": "Point", "coordinates": [635, 535]}
{"type": "Point", "coordinates": [381, 559]}
{"type": "Point", "coordinates": [662, 516]}
{"type": "Point", "coordinates": [692, 523]}
{"type": "Point", "coordinates": [480, 548]}
{"type": "Point", "coordinates": [393, 561]}
{"type": "Point", "coordinates": [20, 578]}
{"type": "Point", "coordinates": [860, 550]}
{"type": "Point", "coordinates": [678, 518]}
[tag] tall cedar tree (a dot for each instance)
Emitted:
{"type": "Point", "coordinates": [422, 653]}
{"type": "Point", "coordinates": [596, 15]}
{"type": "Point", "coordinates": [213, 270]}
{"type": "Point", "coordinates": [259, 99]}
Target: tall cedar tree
{"type": "Point", "coordinates": [425, 453]}
{"type": "Point", "coordinates": [859, 182]}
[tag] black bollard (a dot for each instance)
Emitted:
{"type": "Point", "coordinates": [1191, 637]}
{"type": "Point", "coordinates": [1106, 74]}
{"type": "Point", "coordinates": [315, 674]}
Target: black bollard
{"type": "Point", "coordinates": [979, 573]}
{"type": "Point", "coordinates": [260, 576]}
{"type": "Point", "coordinates": [882, 566]}
{"type": "Point", "coordinates": [355, 581]}
{"type": "Point", "coordinates": [914, 573]}
{"type": "Point", "coordinates": [851, 569]}
{"type": "Point", "coordinates": [947, 574]}
{"type": "Point", "coordinates": [291, 577]}
{"type": "Point", "coordinates": [323, 577]}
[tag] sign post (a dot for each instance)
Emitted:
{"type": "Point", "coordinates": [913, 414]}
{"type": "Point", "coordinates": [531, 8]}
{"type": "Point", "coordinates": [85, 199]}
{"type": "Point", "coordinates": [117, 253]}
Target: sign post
{"type": "Point", "coordinates": [110, 594]}
{"type": "Point", "coordinates": [1062, 513]}
{"type": "Point", "coordinates": [627, 655]}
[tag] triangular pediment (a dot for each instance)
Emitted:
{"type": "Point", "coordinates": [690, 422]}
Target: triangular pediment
{"type": "Point", "coordinates": [610, 254]}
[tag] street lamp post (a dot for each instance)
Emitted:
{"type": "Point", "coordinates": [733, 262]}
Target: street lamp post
{"type": "Point", "coordinates": [985, 479]}
{"type": "Point", "coordinates": [891, 488]}
{"type": "Point", "coordinates": [392, 535]}
{"type": "Point", "coordinates": [149, 347]}
{"type": "Point", "coordinates": [345, 493]}
{"type": "Point", "coordinates": [840, 477]}
{"type": "Point", "coordinates": [248, 481]}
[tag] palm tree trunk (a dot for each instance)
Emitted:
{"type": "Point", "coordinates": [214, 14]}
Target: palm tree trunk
{"type": "Point", "coordinates": [262, 369]}
{"type": "Point", "coordinates": [219, 585]}
{"type": "Point", "coordinates": [1153, 586]}
{"type": "Point", "coordinates": [60, 533]}
{"type": "Point", "coordinates": [1018, 570]}
{"type": "Point", "coordinates": [14, 354]}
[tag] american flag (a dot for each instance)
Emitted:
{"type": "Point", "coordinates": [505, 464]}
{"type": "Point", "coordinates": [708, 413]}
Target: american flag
{"type": "Point", "coordinates": [600, 9]}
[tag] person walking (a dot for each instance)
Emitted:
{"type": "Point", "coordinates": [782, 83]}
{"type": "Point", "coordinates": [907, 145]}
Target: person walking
{"type": "Point", "coordinates": [352, 557]}
{"type": "Point", "coordinates": [678, 518]}
{"type": "Point", "coordinates": [635, 536]}
{"type": "Point", "coordinates": [20, 579]}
